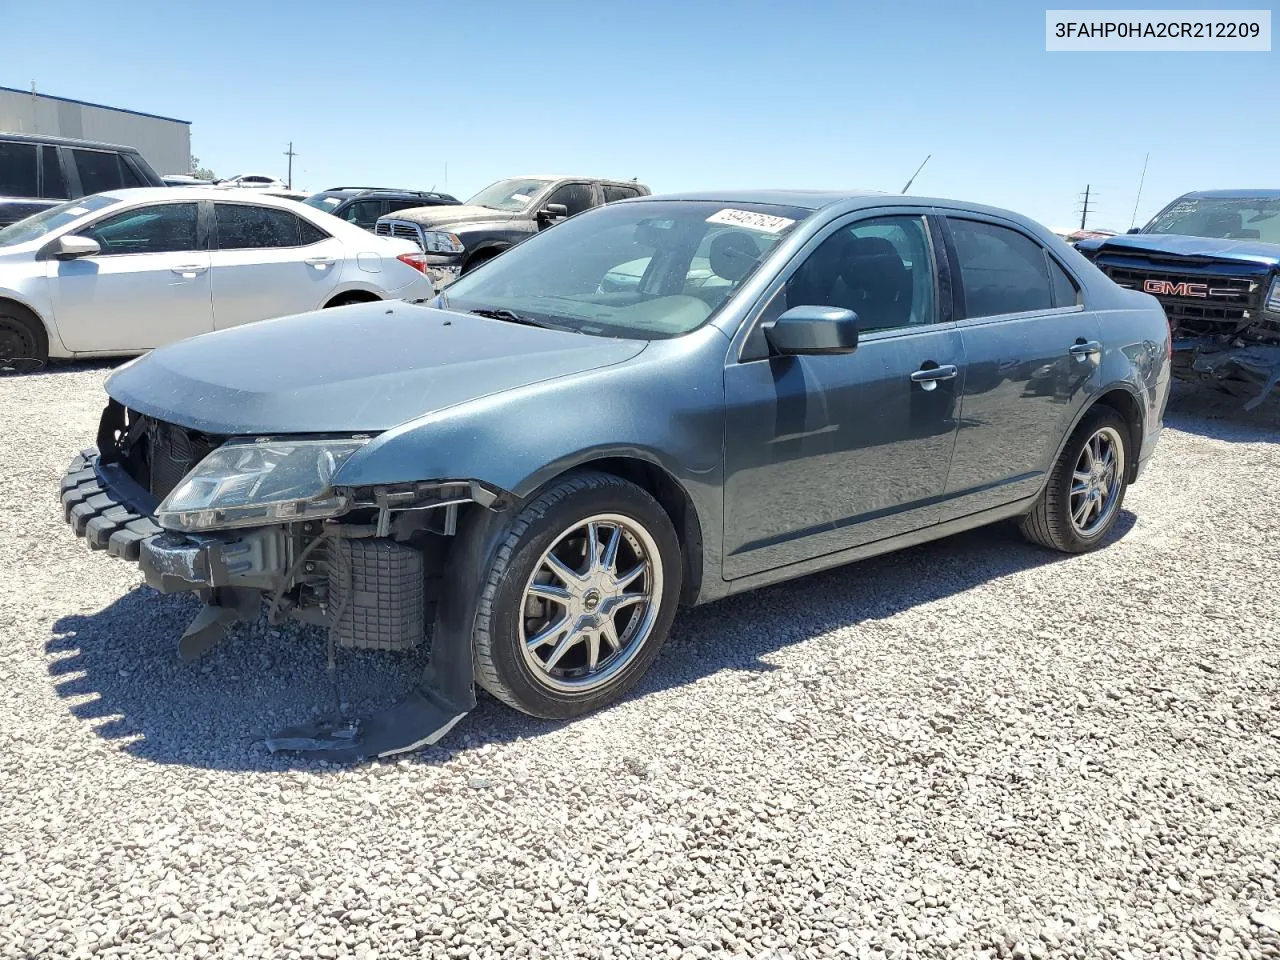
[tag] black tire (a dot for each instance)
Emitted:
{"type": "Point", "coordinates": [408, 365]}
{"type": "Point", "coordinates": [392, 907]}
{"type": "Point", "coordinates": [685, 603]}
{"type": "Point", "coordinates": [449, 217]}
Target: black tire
{"type": "Point", "coordinates": [349, 298]}
{"type": "Point", "coordinates": [1050, 523]}
{"type": "Point", "coordinates": [483, 257]}
{"type": "Point", "coordinates": [501, 666]}
{"type": "Point", "coordinates": [24, 346]}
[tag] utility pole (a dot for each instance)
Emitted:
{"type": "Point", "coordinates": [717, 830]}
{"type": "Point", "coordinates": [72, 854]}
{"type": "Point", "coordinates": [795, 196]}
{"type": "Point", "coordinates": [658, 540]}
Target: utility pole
{"type": "Point", "coordinates": [290, 154]}
{"type": "Point", "coordinates": [35, 109]}
{"type": "Point", "coordinates": [1084, 209]}
{"type": "Point", "coordinates": [1141, 181]}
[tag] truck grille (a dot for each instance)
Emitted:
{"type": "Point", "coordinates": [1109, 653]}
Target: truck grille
{"type": "Point", "coordinates": [1197, 304]}
{"type": "Point", "coordinates": [399, 229]}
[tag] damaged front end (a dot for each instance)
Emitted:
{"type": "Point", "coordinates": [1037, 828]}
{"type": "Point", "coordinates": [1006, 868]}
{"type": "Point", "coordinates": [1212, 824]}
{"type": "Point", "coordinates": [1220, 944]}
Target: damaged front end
{"type": "Point", "coordinates": [244, 521]}
{"type": "Point", "coordinates": [1245, 365]}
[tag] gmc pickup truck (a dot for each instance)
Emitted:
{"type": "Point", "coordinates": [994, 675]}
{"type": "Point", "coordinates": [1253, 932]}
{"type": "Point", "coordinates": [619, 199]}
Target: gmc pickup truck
{"type": "Point", "coordinates": [1212, 259]}
{"type": "Point", "coordinates": [457, 239]}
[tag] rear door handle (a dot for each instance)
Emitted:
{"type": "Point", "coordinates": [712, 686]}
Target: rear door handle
{"type": "Point", "coordinates": [1082, 350]}
{"type": "Point", "coordinates": [928, 377]}
{"type": "Point", "coordinates": [320, 261]}
{"type": "Point", "coordinates": [191, 270]}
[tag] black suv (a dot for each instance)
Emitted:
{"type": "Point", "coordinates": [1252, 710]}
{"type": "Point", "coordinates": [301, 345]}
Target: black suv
{"type": "Point", "coordinates": [39, 172]}
{"type": "Point", "coordinates": [498, 217]}
{"type": "Point", "coordinates": [364, 205]}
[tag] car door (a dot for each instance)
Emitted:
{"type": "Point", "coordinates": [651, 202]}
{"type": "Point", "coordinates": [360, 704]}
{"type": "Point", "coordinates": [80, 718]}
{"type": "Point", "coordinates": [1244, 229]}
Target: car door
{"type": "Point", "coordinates": [576, 197]}
{"type": "Point", "coordinates": [148, 286]}
{"type": "Point", "coordinates": [269, 262]}
{"type": "Point", "coordinates": [1033, 351]}
{"type": "Point", "coordinates": [824, 453]}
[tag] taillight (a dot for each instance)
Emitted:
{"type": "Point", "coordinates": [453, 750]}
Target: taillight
{"type": "Point", "coordinates": [415, 260]}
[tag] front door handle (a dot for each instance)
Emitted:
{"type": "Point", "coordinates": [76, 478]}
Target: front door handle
{"type": "Point", "coordinates": [191, 270]}
{"type": "Point", "coordinates": [928, 377]}
{"type": "Point", "coordinates": [1082, 350]}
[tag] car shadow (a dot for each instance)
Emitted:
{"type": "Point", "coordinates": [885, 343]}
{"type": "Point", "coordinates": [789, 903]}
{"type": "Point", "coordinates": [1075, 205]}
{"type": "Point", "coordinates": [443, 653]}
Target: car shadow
{"type": "Point", "coordinates": [1209, 412]}
{"type": "Point", "coordinates": [119, 672]}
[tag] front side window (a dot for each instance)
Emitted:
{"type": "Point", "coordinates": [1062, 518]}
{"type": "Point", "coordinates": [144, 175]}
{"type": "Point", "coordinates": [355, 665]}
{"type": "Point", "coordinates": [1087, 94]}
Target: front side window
{"type": "Point", "coordinates": [363, 213]}
{"type": "Point", "coordinates": [651, 269]}
{"type": "Point", "coordinates": [1249, 218]}
{"type": "Point", "coordinates": [880, 269]}
{"type": "Point", "coordinates": [512, 196]}
{"type": "Point", "coordinates": [577, 197]}
{"type": "Point", "coordinates": [18, 169]}
{"type": "Point", "coordinates": [46, 221]}
{"type": "Point", "coordinates": [162, 228]}
{"type": "Point", "coordinates": [1002, 270]}
{"type": "Point", "coordinates": [242, 226]}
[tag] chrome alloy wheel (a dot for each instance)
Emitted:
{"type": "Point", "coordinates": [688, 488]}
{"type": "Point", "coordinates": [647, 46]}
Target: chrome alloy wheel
{"type": "Point", "coordinates": [1096, 482]}
{"type": "Point", "coordinates": [591, 603]}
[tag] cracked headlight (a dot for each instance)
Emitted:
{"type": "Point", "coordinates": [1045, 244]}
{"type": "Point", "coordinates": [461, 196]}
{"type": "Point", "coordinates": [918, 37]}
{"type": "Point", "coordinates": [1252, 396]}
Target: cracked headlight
{"type": "Point", "coordinates": [434, 241]}
{"type": "Point", "coordinates": [255, 482]}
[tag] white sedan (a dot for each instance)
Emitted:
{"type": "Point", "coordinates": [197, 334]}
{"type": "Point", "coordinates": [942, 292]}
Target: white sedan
{"type": "Point", "coordinates": [119, 273]}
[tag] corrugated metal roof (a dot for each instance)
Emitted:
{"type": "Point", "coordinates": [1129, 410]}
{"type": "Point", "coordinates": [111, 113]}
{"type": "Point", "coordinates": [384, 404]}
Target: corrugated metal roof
{"type": "Point", "coordinates": [86, 103]}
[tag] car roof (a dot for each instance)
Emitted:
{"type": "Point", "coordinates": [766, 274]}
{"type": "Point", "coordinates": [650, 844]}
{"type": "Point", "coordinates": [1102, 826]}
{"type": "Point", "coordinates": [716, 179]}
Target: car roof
{"type": "Point", "coordinates": [356, 191]}
{"type": "Point", "coordinates": [65, 141]}
{"type": "Point", "coordinates": [570, 176]}
{"type": "Point", "coordinates": [137, 194]}
{"type": "Point", "coordinates": [1268, 193]}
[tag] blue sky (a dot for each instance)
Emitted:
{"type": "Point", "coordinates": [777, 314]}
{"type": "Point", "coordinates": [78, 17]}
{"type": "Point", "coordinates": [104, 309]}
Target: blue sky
{"type": "Point", "coordinates": [682, 95]}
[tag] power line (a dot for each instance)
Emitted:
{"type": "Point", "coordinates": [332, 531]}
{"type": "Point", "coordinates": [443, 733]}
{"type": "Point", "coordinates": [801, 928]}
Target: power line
{"type": "Point", "coordinates": [1141, 181]}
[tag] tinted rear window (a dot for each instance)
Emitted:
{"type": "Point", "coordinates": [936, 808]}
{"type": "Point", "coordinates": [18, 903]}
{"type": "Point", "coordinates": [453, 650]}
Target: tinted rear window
{"type": "Point", "coordinates": [100, 170]}
{"type": "Point", "coordinates": [17, 169]}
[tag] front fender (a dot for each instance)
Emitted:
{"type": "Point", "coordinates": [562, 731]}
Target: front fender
{"type": "Point", "coordinates": [664, 407]}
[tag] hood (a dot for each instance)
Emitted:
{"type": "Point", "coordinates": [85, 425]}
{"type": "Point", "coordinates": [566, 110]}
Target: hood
{"type": "Point", "coordinates": [362, 368]}
{"type": "Point", "coordinates": [454, 213]}
{"type": "Point", "coordinates": [1210, 248]}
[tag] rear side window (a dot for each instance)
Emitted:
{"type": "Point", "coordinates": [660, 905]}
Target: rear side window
{"type": "Point", "coordinates": [309, 233]}
{"type": "Point", "coordinates": [242, 226]}
{"type": "Point", "coordinates": [1003, 271]}
{"type": "Point", "coordinates": [160, 228]}
{"type": "Point", "coordinates": [1065, 291]}
{"type": "Point", "coordinates": [394, 205]}
{"type": "Point", "coordinates": [18, 169]}
{"type": "Point", "coordinates": [100, 171]}
{"type": "Point", "coordinates": [612, 193]}
{"type": "Point", "coordinates": [53, 185]}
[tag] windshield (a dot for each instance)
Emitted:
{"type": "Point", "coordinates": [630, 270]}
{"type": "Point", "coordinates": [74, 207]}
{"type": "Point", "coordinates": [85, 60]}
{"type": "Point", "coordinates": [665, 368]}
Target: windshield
{"type": "Point", "coordinates": [1250, 218]}
{"type": "Point", "coordinates": [642, 269]}
{"type": "Point", "coordinates": [509, 195]}
{"type": "Point", "coordinates": [46, 221]}
{"type": "Point", "coordinates": [323, 201]}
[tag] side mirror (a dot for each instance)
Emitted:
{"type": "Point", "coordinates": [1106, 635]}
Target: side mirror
{"type": "Point", "coordinates": [1134, 230]}
{"type": "Point", "coordinates": [73, 247]}
{"type": "Point", "coordinates": [813, 330]}
{"type": "Point", "coordinates": [553, 211]}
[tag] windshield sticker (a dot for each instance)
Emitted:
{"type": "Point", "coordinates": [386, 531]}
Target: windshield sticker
{"type": "Point", "coordinates": [78, 211]}
{"type": "Point", "coordinates": [754, 221]}
{"type": "Point", "coordinates": [520, 196]}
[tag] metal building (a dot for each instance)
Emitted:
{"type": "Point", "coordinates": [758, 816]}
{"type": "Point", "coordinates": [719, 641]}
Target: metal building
{"type": "Point", "coordinates": [164, 141]}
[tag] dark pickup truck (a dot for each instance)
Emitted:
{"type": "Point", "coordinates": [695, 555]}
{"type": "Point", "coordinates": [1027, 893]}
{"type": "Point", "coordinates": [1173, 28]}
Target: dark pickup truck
{"type": "Point", "coordinates": [1212, 259]}
{"type": "Point", "coordinates": [457, 239]}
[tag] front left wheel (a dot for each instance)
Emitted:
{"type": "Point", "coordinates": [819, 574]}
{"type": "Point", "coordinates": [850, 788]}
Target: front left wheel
{"type": "Point", "coordinates": [23, 347]}
{"type": "Point", "coordinates": [579, 599]}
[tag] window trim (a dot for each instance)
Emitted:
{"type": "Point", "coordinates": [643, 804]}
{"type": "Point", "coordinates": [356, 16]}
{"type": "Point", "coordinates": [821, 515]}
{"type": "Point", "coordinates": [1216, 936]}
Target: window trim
{"type": "Point", "coordinates": [215, 241]}
{"type": "Point", "coordinates": [945, 216]}
{"type": "Point", "coordinates": [745, 348]}
{"type": "Point", "coordinates": [200, 247]}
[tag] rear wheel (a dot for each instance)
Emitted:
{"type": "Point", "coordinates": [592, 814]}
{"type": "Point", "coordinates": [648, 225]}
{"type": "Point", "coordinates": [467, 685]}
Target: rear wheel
{"type": "Point", "coordinates": [580, 597]}
{"type": "Point", "coordinates": [1081, 502]}
{"type": "Point", "coordinates": [23, 347]}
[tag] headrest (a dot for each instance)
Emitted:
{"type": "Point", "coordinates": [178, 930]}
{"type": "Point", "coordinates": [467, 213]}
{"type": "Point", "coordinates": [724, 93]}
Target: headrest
{"type": "Point", "coordinates": [733, 255]}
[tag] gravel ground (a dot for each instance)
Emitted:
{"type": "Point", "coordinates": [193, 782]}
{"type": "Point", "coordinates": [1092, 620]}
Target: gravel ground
{"type": "Point", "coordinates": [970, 749]}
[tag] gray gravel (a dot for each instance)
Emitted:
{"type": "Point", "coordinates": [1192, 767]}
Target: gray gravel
{"type": "Point", "coordinates": [971, 749]}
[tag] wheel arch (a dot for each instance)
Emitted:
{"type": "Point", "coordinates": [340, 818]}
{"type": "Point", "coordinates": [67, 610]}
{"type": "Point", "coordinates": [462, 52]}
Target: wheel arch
{"type": "Point", "coordinates": [663, 486]}
{"type": "Point", "coordinates": [1123, 401]}
{"type": "Point", "coordinates": [352, 295]}
{"type": "Point", "coordinates": [486, 251]}
{"type": "Point", "coordinates": [43, 326]}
